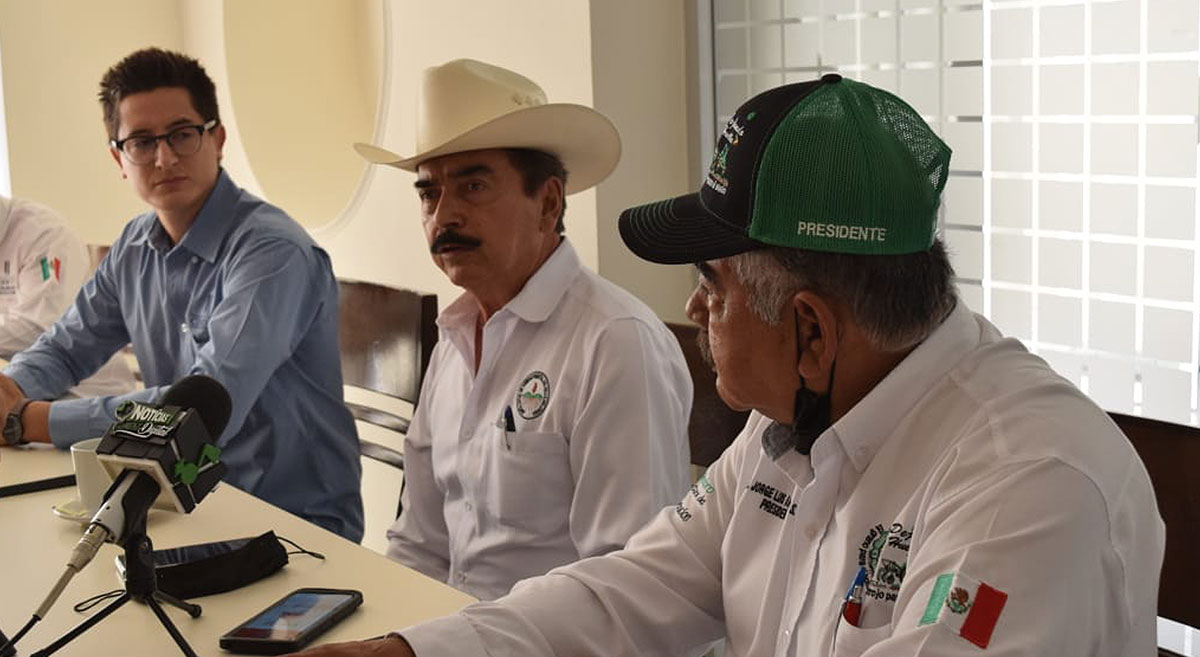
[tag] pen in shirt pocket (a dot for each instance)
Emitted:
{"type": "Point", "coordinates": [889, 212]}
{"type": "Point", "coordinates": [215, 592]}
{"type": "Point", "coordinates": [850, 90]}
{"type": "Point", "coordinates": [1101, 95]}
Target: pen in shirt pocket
{"type": "Point", "coordinates": [852, 606]}
{"type": "Point", "coordinates": [508, 424]}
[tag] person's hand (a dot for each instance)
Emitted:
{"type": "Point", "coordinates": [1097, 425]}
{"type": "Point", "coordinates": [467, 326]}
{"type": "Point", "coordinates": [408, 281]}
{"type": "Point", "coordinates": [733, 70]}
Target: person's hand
{"type": "Point", "coordinates": [389, 646]}
{"type": "Point", "coordinates": [10, 394]}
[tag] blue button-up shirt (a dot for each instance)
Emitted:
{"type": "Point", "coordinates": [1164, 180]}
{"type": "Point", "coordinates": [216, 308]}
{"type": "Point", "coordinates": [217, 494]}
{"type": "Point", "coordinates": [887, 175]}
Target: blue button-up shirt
{"type": "Point", "coordinates": [247, 298]}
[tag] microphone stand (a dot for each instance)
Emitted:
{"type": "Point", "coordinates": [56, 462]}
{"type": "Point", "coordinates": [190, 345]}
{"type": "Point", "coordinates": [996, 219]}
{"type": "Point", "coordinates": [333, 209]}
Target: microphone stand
{"type": "Point", "coordinates": [141, 583]}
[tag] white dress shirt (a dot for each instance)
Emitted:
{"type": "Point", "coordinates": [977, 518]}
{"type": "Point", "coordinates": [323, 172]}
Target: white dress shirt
{"type": "Point", "coordinates": [569, 438]}
{"type": "Point", "coordinates": [971, 462]}
{"type": "Point", "coordinates": [42, 267]}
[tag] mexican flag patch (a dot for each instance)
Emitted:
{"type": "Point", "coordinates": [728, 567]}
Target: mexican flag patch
{"type": "Point", "coordinates": [969, 607]}
{"type": "Point", "coordinates": [50, 267]}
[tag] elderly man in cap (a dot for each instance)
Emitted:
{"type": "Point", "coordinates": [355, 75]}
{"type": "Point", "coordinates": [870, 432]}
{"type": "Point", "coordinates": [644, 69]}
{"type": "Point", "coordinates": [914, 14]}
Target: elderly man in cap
{"type": "Point", "coordinates": [553, 417]}
{"type": "Point", "coordinates": [910, 482]}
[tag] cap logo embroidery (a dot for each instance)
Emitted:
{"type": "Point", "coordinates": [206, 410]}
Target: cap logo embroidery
{"type": "Point", "coordinates": [729, 137]}
{"type": "Point", "coordinates": [838, 231]}
{"type": "Point", "coordinates": [533, 396]}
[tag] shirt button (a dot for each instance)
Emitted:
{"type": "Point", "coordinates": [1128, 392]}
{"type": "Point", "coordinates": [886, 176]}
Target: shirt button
{"type": "Point", "coordinates": [184, 328]}
{"type": "Point", "coordinates": [811, 533]}
{"type": "Point", "coordinates": [468, 505]}
{"type": "Point", "coordinates": [462, 577]}
{"type": "Point", "coordinates": [195, 259]}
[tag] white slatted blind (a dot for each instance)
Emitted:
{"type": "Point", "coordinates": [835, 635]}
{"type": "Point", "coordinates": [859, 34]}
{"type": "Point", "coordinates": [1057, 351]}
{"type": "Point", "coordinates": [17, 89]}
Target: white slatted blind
{"type": "Point", "coordinates": [1071, 207]}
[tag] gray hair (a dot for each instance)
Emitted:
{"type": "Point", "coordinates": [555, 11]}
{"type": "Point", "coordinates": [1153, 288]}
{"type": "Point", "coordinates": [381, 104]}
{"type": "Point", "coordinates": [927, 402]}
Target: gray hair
{"type": "Point", "coordinates": [896, 300]}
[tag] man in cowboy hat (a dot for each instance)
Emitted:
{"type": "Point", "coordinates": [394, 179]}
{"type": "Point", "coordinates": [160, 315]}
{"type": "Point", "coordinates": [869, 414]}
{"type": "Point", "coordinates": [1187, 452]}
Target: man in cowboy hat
{"type": "Point", "coordinates": [553, 418]}
{"type": "Point", "coordinates": [909, 482]}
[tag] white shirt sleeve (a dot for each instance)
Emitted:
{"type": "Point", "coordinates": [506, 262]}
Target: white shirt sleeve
{"type": "Point", "coordinates": [1039, 532]}
{"type": "Point", "coordinates": [628, 446]}
{"type": "Point", "coordinates": [51, 265]}
{"type": "Point", "coordinates": [660, 595]}
{"type": "Point", "coordinates": [419, 538]}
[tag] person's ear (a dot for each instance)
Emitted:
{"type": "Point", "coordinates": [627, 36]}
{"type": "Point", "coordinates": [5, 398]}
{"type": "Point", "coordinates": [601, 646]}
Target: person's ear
{"type": "Point", "coordinates": [219, 135]}
{"type": "Point", "coordinates": [816, 324]}
{"type": "Point", "coordinates": [552, 203]}
{"type": "Point", "coordinates": [116, 156]}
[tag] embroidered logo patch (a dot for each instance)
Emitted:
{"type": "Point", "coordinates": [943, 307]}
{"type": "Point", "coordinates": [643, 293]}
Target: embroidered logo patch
{"type": "Point", "coordinates": [698, 493]}
{"type": "Point", "coordinates": [533, 396]}
{"type": "Point", "coordinates": [968, 607]}
{"type": "Point", "coordinates": [884, 553]}
{"type": "Point", "coordinates": [50, 267]}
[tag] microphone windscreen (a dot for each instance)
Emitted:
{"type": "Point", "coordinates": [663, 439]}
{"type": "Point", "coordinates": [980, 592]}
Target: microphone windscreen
{"type": "Point", "coordinates": [206, 396]}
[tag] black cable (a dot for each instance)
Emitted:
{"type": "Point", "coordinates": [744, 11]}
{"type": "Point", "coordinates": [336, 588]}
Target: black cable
{"type": "Point", "coordinates": [35, 486]}
{"type": "Point", "coordinates": [10, 647]}
{"type": "Point", "coordinates": [300, 550]}
{"type": "Point", "coordinates": [84, 605]}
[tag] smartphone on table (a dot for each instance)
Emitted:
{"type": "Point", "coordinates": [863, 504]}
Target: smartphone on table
{"type": "Point", "coordinates": [292, 622]}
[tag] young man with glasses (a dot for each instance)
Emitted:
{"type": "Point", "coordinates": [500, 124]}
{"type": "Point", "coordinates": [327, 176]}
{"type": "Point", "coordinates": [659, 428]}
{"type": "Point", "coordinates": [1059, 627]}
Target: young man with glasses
{"type": "Point", "coordinates": [211, 280]}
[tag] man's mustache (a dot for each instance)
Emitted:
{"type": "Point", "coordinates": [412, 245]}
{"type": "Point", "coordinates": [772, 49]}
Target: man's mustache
{"type": "Point", "coordinates": [452, 238]}
{"type": "Point", "coordinates": [705, 349]}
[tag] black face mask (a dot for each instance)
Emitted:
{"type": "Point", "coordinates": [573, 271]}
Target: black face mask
{"type": "Point", "coordinates": [810, 418]}
{"type": "Point", "coordinates": [223, 572]}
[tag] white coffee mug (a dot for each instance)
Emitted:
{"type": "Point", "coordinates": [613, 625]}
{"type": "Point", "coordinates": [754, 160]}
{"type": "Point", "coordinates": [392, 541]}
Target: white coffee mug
{"type": "Point", "coordinates": [91, 479]}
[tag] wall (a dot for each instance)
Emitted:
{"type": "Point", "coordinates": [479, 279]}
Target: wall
{"type": "Point", "coordinates": [579, 51]}
{"type": "Point", "coordinates": [54, 53]}
{"type": "Point", "coordinates": [303, 96]}
{"type": "Point", "coordinates": [640, 82]}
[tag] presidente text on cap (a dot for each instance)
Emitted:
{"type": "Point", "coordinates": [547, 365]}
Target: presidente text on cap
{"type": "Point", "coordinates": [826, 165]}
{"type": "Point", "coordinates": [467, 105]}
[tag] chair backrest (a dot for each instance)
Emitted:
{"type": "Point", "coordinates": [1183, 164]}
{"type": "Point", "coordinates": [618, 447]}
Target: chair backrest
{"type": "Point", "coordinates": [387, 337]}
{"type": "Point", "coordinates": [96, 253]}
{"type": "Point", "coordinates": [712, 425]}
{"type": "Point", "coordinates": [1171, 453]}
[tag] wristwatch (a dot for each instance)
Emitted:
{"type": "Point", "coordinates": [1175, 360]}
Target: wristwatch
{"type": "Point", "coordinates": [14, 429]}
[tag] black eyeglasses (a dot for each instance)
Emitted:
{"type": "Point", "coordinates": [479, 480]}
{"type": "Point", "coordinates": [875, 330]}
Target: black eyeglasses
{"type": "Point", "coordinates": [184, 141]}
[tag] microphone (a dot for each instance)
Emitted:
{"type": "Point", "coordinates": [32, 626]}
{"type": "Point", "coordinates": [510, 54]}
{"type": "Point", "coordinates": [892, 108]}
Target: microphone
{"type": "Point", "coordinates": [165, 452]}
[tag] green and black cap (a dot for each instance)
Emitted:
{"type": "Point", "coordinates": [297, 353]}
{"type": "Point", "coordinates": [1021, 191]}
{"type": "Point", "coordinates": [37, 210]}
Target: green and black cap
{"type": "Point", "coordinates": [826, 165]}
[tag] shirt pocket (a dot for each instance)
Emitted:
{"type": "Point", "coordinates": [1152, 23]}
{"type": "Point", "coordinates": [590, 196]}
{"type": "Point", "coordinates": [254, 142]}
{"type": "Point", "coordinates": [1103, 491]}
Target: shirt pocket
{"type": "Point", "coordinates": [853, 641]}
{"type": "Point", "coordinates": [527, 480]}
{"type": "Point", "coordinates": [196, 324]}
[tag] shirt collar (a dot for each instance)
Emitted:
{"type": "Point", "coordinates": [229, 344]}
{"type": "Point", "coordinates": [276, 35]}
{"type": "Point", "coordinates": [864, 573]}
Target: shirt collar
{"type": "Point", "coordinates": [208, 231]}
{"type": "Point", "coordinates": [545, 289]}
{"type": "Point", "coordinates": [536, 300]}
{"type": "Point", "coordinates": [863, 430]}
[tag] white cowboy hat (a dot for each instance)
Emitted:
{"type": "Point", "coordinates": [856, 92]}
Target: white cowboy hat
{"type": "Point", "coordinates": [467, 105]}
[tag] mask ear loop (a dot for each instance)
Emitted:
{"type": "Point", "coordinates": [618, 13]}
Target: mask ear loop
{"type": "Point", "coordinates": [810, 416]}
{"type": "Point", "coordinates": [300, 550]}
